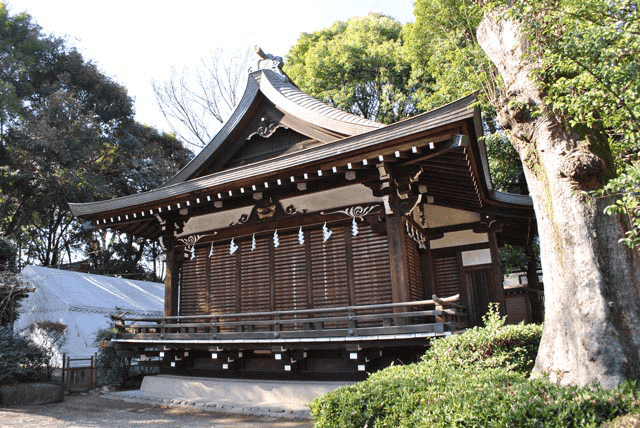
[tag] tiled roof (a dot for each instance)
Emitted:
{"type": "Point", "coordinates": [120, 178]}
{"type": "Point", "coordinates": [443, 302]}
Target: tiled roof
{"type": "Point", "coordinates": [307, 102]}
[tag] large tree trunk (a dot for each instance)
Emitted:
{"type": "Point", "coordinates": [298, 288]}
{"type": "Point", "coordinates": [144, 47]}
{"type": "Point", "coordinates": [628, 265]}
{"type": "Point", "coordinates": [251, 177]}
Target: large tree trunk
{"type": "Point", "coordinates": [591, 282]}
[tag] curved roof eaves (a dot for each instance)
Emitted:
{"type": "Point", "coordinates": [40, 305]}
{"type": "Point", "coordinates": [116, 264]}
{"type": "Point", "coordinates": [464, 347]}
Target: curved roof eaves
{"type": "Point", "coordinates": [289, 91]}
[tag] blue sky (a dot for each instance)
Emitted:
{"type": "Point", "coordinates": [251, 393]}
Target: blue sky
{"type": "Point", "coordinates": [138, 41]}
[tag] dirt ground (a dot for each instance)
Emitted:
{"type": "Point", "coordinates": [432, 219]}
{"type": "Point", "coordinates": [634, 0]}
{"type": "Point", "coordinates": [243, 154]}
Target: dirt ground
{"type": "Point", "coordinates": [91, 410]}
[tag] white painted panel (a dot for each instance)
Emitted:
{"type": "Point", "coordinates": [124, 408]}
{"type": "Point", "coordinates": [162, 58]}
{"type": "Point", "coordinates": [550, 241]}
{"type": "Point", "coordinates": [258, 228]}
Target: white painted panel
{"type": "Point", "coordinates": [214, 220]}
{"type": "Point", "coordinates": [333, 198]}
{"type": "Point", "coordinates": [476, 257]}
{"type": "Point", "coordinates": [437, 216]}
{"type": "Point", "coordinates": [461, 237]}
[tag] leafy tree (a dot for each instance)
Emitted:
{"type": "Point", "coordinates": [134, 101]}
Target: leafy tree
{"type": "Point", "coordinates": [68, 135]}
{"type": "Point", "coordinates": [444, 52]}
{"type": "Point", "coordinates": [358, 66]}
{"type": "Point", "coordinates": [7, 256]}
{"type": "Point", "coordinates": [570, 106]}
{"type": "Point", "coordinates": [22, 360]}
{"type": "Point", "coordinates": [447, 63]}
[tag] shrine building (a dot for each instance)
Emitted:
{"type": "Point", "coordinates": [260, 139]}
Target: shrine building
{"type": "Point", "coordinates": [307, 241]}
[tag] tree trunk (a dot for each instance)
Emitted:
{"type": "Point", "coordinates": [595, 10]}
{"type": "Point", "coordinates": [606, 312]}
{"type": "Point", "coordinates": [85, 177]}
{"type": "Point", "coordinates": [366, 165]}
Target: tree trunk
{"type": "Point", "coordinates": [591, 282]}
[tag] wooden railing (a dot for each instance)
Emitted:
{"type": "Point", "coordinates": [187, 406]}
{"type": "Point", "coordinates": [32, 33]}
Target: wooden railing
{"type": "Point", "coordinates": [437, 315]}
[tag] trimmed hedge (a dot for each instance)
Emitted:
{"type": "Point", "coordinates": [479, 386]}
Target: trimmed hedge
{"type": "Point", "coordinates": [476, 379]}
{"type": "Point", "coordinates": [22, 360]}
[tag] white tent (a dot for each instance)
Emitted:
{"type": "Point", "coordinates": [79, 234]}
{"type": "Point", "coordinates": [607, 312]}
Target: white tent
{"type": "Point", "coordinates": [83, 303]}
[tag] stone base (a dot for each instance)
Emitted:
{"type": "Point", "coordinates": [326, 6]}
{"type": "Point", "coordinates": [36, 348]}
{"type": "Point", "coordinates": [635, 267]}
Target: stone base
{"type": "Point", "coordinates": [31, 394]}
{"type": "Point", "coordinates": [277, 398]}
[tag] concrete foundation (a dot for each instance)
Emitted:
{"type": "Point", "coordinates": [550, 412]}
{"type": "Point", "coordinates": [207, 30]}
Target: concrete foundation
{"type": "Point", "coordinates": [265, 397]}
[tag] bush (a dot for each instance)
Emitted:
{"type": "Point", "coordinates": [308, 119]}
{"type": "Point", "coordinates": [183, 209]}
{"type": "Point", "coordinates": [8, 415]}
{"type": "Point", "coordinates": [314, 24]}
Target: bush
{"type": "Point", "coordinates": [513, 347]}
{"type": "Point", "coordinates": [476, 379]}
{"type": "Point", "coordinates": [22, 360]}
{"type": "Point", "coordinates": [115, 368]}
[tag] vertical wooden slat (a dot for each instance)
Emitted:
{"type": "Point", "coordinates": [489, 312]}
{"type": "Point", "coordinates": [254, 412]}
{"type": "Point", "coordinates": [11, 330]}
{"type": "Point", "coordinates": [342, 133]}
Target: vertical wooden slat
{"type": "Point", "coordinates": [208, 281]}
{"type": "Point", "coordinates": [291, 276]}
{"type": "Point", "coordinates": [447, 275]}
{"type": "Point", "coordinates": [309, 260]}
{"type": "Point", "coordinates": [193, 284]}
{"type": "Point", "coordinates": [255, 275]}
{"type": "Point", "coordinates": [371, 274]}
{"type": "Point", "coordinates": [238, 264]}
{"type": "Point", "coordinates": [415, 283]}
{"type": "Point", "coordinates": [372, 278]}
{"type": "Point", "coordinates": [223, 281]}
{"type": "Point", "coordinates": [329, 269]}
{"type": "Point", "coordinates": [349, 260]}
{"type": "Point", "coordinates": [272, 274]}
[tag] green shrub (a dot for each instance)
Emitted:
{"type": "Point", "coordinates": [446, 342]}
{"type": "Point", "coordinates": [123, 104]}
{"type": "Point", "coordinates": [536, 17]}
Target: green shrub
{"type": "Point", "coordinates": [495, 345]}
{"type": "Point", "coordinates": [22, 360]}
{"type": "Point", "coordinates": [476, 379]}
{"type": "Point", "coordinates": [115, 368]}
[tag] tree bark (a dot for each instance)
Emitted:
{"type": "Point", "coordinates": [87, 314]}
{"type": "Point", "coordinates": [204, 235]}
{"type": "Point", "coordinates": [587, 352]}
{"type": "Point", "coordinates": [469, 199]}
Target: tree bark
{"type": "Point", "coordinates": [591, 282]}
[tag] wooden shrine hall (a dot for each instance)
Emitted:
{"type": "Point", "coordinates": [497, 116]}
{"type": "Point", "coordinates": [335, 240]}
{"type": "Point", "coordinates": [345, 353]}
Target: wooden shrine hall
{"type": "Point", "coordinates": [310, 241]}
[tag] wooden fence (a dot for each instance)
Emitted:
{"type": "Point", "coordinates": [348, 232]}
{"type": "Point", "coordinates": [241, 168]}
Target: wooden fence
{"type": "Point", "coordinates": [77, 376]}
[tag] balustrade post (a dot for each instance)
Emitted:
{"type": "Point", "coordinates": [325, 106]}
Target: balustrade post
{"type": "Point", "coordinates": [352, 321]}
{"type": "Point", "coordinates": [276, 326]}
{"type": "Point", "coordinates": [216, 325]}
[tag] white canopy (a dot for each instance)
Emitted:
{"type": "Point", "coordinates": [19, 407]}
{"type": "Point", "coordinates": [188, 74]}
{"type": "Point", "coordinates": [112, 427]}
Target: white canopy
{"type": "Point", "coordinates": [83, 303]}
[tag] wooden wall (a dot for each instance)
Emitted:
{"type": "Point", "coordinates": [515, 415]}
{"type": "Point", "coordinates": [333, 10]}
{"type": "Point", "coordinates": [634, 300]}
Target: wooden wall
{"type": "Point", "coordinates": [343, 270]}
{"type": "Point", "coordinates": [475, 284]}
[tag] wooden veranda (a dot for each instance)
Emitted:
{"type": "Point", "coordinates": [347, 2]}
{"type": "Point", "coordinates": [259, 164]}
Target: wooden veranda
{"type": "Point", "coordinates": [230, 340]}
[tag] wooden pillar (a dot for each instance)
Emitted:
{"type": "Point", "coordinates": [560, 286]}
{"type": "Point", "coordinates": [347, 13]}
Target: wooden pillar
{"type": "Point", "coordinates": [398, 258]}
{"type": "Point", "coordinates": [171, 285]}
{"type": "Point", "coordinates": [428, 273]}
{"type": "Point", "coordinates": [496, 289]}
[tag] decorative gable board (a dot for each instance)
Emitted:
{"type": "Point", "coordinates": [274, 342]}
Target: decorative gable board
{"type": "Point", "coordinates": [261, 146]}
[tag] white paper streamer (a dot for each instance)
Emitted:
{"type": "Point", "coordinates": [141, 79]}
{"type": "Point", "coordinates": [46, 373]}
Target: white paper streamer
{"type": "Point", "coordinates": [300, 236]}
{"type": "Point", "coordinates": [326, 233]}
{"type": "Point", "coordinates": [276, 239]}
{"type": "Point", "coordinates": [233, 247]}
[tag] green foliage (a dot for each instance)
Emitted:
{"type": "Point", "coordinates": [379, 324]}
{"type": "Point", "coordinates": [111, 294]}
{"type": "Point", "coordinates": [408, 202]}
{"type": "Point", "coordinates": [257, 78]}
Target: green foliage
{"type": "Point", "coordinates": [358, 66]}
{"type": "Point", "coordinates": [589, 66]}
{"type": "Point", "coordinates": [115, 368]}
{"type": "Point", "coordinates": [626, 188]}
{"type": "Point", "coordinates": [496, 345]}
{"type": "Point", "coordinates": [8, 256]}
{"type": "Point", "coordinates": [589, 72]}
{"type": "Point", "coordinates": [447, 63]}
{"type": "Point", "coordinates": [67, 134]}
{"type": "Point", "coordinates": [21, 360]}
{"type": "Point", "coordinates": [476, 379]}
{"type": "Point", "coordinates": [504, 162]}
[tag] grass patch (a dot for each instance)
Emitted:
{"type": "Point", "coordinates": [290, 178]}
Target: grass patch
{"type": "Point", "coordinates": [476, 379]}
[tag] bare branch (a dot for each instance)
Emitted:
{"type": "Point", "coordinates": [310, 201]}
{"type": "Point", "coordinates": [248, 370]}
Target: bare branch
{"type": "Point", "coordinates": [196, 102]}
